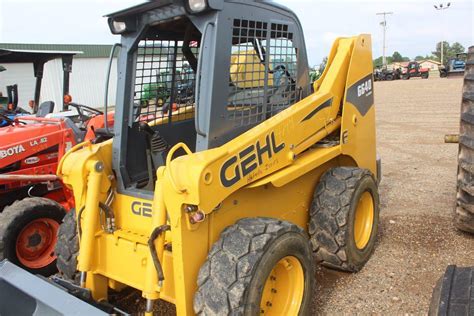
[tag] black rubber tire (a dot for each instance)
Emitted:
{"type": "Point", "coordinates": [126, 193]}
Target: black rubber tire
{"type": "Point", "coordinates": [67, 247]}
{"type": "Point", "coordinates": [464, 210]}
{"type": "Point", "coordinates": [231, 280]}
{"type": "Point", "coordinates": [332, 214]}
{"type": "Point", "coordinates": [15, 217]}
{"type": "Point", "coordinates": [425, 75]}
{"type": "Point", "coordinates": [405, 77]}
{"type": "Point", "coordinates": [454, 293]}
{"type": "Point", "coordinates": [389, 78]}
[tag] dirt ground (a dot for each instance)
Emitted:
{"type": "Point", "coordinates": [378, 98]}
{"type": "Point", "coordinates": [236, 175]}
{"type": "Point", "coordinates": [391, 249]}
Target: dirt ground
{"type": "Point", "coordinates": [417, 239]}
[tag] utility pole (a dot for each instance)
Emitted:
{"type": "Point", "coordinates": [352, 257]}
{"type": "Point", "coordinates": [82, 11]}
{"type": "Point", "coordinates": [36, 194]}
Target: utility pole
{"type": "Point", "coordinates": [384, 24]}
{"type": "Point", "coordinates": [442, 7]}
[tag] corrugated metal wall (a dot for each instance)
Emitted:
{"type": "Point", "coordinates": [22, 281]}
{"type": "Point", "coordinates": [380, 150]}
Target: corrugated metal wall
{"type": "Point", "coordinates": [87, 84]}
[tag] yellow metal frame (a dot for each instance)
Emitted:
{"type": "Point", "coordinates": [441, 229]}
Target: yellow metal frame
{"type": "Point", "coordinates": [281, 186]}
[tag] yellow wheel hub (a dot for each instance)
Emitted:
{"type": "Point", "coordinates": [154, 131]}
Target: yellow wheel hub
{"type": "Point", "coordinates": [284, 288]}
{"type": "Point", "coordinates": [364, 220]}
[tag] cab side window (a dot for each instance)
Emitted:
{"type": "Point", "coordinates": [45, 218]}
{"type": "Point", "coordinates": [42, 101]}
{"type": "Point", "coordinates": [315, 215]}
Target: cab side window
{"type": "Point", "coordinates": [263, 72]}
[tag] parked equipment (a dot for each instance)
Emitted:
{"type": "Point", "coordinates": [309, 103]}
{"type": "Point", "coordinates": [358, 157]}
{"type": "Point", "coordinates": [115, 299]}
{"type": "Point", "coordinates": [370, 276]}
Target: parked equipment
{"type": "Point", "coordinates": [387, 74]}
{"type": "Point", "coordinates": [414, 69]}
{"type": "Point", "coordinates": [454, 290]}
{"type": "Point", "coordinates": [9, 105]}
{"type": "Point", "coordinates": [218, 205]}
{"type": "Point", "coordinates": [33, 200]}
{"type": "Point", "coordinates": [454, 66]}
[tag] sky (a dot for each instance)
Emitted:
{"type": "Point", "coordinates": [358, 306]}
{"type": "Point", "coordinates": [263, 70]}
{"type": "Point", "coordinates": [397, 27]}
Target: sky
{"type": "Point", "coordinates": [414, 28]}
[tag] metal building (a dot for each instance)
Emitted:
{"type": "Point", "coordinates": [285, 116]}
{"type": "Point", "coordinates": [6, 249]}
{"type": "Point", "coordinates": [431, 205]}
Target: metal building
{"type": "Point", "coordinates": [87, 85]}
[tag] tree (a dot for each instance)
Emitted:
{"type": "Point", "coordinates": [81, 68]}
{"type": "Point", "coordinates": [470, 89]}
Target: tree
{"type": "Point", "coordinates": [457, 48]}
{"type": "Point", "coordinates": [397, 57]}
{"type": "Point", "coordinates": [449, 51]}
{"type": "Point", "coordinates": [437, 52]}
{"type": "Point", "coordinates": [378, 62]}
{"type": "Point", "coordinates": [419, 57]}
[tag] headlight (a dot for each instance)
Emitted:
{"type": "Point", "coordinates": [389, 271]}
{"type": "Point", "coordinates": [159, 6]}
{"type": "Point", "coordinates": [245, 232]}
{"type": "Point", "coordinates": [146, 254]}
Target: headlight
{"type": "Point", "coordinates": [118, 27]}
{"type": "Point", "coordinates": [196, 6]}
{"type": "Point", "coordinates": [121, 27]}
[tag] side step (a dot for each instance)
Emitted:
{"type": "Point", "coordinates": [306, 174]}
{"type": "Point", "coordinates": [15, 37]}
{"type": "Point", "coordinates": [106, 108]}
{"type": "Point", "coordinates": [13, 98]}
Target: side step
{"type": "Point", "coordinates": [22, 293]}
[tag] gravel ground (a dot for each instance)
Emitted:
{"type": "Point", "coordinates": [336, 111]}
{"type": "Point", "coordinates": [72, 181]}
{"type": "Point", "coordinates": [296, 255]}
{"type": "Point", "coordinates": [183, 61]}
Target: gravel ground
{"type": "Point", "coordinates": [416, 237]}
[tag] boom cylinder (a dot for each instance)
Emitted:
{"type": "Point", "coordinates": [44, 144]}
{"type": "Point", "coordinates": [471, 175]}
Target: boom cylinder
{"type": "Point", "coordinates": [90, 214]}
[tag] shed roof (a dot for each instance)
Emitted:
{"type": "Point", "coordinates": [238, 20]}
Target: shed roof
{"type": "Point", "coordinates": [88, 50]}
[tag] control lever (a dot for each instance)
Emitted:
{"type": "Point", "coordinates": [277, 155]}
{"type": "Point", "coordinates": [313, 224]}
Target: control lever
{"type": "Point", "coordinates": [145, 128]}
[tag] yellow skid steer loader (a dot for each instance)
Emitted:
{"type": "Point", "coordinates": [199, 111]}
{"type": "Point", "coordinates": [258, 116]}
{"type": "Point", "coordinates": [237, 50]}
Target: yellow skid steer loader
{"type": "Point", "coordinates": [218, 197]}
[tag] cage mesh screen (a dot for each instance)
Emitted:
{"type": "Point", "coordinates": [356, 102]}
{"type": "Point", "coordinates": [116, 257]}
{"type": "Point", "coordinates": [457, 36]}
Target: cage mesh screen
{"type": "Point", "coordinates": [164, 82]}
{"type": "Point", "coordinates": [263, 71]}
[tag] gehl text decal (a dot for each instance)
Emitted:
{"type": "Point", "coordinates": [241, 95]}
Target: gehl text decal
{"type": "Point", "coordinates": [241, 165]}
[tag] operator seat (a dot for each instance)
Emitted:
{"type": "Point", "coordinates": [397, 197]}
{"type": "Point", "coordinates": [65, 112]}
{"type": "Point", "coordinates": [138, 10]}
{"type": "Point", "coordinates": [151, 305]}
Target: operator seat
{"type": "Point", "coordinates": [45, 108]}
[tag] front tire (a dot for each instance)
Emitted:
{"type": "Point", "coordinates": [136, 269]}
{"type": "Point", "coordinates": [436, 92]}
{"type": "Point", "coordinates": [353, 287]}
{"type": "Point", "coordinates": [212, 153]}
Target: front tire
{"type": "Point", "coordinates": [259, 265]}
{"type": "Point", "coordinates": [464, 210]}
{"type": "Point", "coordinates": [453, 293]}
{"type": "Point", "coordinates": [344, 218]}
{"type": "Point", "coordinates": [28, 230]}
{"type": "Point", "coordinates": [67, 247]}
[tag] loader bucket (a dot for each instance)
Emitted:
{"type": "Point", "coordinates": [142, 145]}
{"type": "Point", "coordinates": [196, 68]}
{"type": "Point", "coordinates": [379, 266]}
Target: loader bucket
{"type": "Point", "coordinates": [22, 293]}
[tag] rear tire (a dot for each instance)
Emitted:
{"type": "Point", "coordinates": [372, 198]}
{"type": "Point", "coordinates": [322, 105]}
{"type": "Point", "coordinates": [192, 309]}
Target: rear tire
{"type": "Point", "coordinates": [464, 211]}
{"type": "Point", "coordinates": [344, 218]}
{"type": "Point", "coordinates": [67, 247]}
{"type": "Point", "coordinates": [425, 75]}
{"type": "Point", "coordinates": [28, 231]}
{"type": "Point", "coordinates": [454, 293]}
{"type": "Point", "coordinates": [245, 269]}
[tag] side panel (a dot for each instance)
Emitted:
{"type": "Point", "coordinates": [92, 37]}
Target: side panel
{"type": "Point", "coordinates": [358, 118]}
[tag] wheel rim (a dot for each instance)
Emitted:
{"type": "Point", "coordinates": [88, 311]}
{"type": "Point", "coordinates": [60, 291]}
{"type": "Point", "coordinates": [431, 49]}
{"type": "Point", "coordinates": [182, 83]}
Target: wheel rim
{"type": "Point", "coordinates": [284, 288]}
{"type": "Point", "coordinates": [35, 243]}
{"type": "Point", "coordinates": [364, 220]}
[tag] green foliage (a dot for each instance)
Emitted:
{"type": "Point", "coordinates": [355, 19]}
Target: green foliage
{"type": "Point", "coordinates": [378, 62]}
{"type": "Point", "coordinates": [397, 57]}
{"type": "Point", "coordinates": [316, 71]}
{"type": "Point", "coordinates": [419, 57]}
{"type": "Point", "coordinates": [449, 51]}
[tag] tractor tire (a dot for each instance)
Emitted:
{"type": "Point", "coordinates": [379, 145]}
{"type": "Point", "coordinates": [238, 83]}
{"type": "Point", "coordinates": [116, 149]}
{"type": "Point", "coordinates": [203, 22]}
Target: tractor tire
{"type": "Point", "coordinates": [425, 75]}
{"type": "Point", "coordinates": [464, 210]}
{"type": "Point", "coordinates": [258, 265]}
{"type": "Point", "coordinates": [344, 218]}
{"type": "Point", "coordinates": [67, 247]}
{"type": "Point", "coordinates": [389, 78]}
{"type": "Point", "coordinates": [453, 293]}
{"type": "Point", "coordinates": [405, 77]}
{"type": "Point", "coordinates": [28, 234]}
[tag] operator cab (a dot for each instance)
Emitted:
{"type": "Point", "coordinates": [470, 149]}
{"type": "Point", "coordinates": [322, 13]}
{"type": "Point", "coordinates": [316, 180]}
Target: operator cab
{"type": "Point", "coordinates": [199, 77]}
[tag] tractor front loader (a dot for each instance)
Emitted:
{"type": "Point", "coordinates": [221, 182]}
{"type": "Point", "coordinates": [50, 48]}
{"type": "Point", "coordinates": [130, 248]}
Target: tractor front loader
{"type": "Point", "coordinates": [219, 203]}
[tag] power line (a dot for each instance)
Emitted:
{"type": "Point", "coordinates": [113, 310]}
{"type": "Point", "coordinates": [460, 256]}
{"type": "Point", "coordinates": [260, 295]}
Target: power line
{"type": "Point", "coordinates": [384, 25]}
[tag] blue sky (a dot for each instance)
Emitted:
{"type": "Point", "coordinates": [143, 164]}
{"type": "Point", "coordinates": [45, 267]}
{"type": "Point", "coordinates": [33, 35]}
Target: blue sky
{"type": "Point", "coordinates": [413, 29]}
